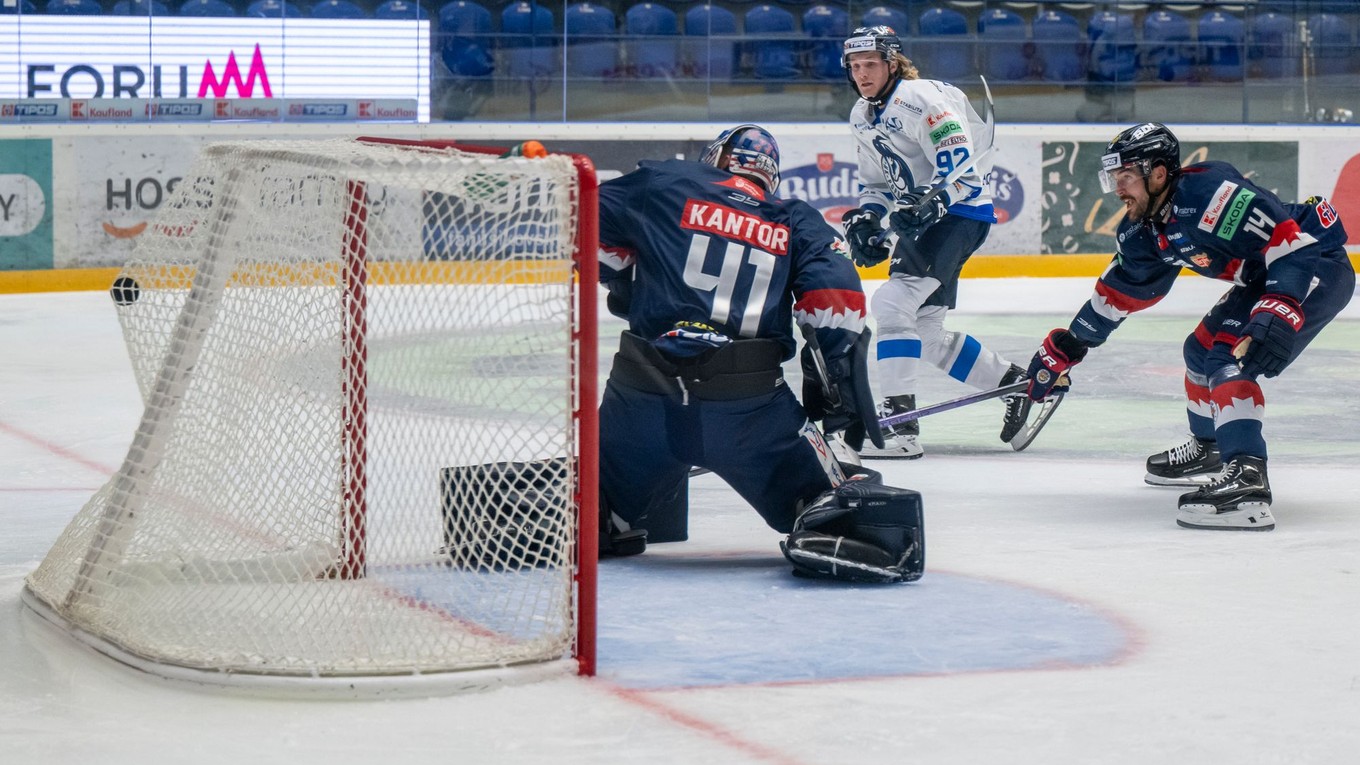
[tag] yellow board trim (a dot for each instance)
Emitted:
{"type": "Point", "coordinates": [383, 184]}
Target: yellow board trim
{"type": "Point", "coordinates": [424, 272]}
{"type": "Point", "coordinates": [979, 267]}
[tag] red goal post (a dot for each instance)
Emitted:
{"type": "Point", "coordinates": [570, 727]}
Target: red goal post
{"type": "Point", "coordinates": [368, 454]}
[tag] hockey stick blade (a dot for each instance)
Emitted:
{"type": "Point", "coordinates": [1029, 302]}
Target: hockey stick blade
{"type": "Point", "coordinates": [955, 403]}
{"type": "Point", "coordinates": [1036, 422]}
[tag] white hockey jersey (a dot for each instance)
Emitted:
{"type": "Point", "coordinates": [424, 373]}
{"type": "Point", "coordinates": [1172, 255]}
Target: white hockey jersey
{"type": "Point", "coordinates": [925, 129]}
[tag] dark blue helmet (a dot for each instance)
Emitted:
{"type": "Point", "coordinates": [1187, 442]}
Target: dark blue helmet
{"type": "Point", "coordinates": [746, 150]}
{"type": "Point", "coordinates": [1140, 148]}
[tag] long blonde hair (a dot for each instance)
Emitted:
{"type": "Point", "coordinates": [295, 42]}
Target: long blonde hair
{"type": "Point", "coordinates": [905, 69]}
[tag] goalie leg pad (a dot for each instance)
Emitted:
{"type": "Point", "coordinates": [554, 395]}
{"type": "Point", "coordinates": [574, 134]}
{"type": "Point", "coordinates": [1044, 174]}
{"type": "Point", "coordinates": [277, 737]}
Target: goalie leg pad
{"type": "Point", "coordinates": [860, 532]}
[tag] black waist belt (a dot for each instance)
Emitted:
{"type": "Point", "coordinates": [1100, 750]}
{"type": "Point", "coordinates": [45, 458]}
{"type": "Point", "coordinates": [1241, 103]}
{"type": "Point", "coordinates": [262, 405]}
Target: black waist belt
{"type": "Point", "coordinates": [740, 369]}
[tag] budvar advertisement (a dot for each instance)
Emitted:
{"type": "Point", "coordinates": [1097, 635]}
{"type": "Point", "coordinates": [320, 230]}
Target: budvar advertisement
{"type": "Point", "coordinates": [104, 57]}
{"type": "Point", "coordinates": [823, 172]}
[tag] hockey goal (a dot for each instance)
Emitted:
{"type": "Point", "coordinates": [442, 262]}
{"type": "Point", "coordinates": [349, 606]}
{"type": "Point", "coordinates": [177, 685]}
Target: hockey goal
{"type": "Point", "coordinates": [367, 456]}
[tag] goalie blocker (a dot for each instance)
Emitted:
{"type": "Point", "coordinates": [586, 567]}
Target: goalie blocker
{"type": "Point", "coordinates": [861, 531]}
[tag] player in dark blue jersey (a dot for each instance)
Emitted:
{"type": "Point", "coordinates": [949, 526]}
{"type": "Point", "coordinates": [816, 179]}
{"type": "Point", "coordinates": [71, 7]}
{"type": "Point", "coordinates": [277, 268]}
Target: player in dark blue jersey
{"type": "Point", "coordinates": [1290, 277]}
{"type": "Point", "coordinates": [710, 269]}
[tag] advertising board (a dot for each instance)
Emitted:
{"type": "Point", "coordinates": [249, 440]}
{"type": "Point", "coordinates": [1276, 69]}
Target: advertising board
{"type": "Point", "coordinates": [102, 57]}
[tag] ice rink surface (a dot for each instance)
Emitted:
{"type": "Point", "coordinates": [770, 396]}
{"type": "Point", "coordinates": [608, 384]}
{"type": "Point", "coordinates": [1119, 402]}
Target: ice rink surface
{"type": "Point", "coordinates": [1063, 617]}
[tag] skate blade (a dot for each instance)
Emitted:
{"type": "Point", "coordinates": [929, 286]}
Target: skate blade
{"type": "Point", "coordinates": [890, 454]}
{"type": "Point", "coordinates": [1202, 479]}
{"type": "Point", "coordinates": [1038, 419]}
{"type": "Point", "coordinates": [1249, 516]}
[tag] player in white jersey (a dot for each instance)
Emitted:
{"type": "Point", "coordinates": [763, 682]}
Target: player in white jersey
{"type": "Point", "coordinates": [911, 135]}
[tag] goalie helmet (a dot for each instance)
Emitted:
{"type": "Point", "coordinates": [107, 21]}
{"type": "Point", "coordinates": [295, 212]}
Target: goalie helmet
{"type": "Point", "coordinates": [1140, 148]}
{"type": "Point", "coordinates": [746, 150]}
{"type": "Point", "coordinates": [882, 39]}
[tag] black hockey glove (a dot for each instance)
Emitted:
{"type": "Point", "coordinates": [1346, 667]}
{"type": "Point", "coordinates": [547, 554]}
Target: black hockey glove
{"type": "Point", "coordinates": [848, 380]}
{"type": "Point", "coordinates": [1048, 369]}
{"type": "Point", "coordinates": [864, 231]}
{"type": "Point", "coordinates": [917, 213]}
{"type": "Point", "coordinates": [1267, 342]}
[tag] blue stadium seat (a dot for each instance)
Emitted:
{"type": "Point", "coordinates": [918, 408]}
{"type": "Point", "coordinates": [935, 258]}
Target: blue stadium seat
{"type": "Point", "coordinates": [592, 40]}
{"type": "Point", "coordinates": [273, 9]}
{"type": "Point", "coordinates": [945, 47]}
{"type": "Point", "coordinates": [1004, 38]}
{"type": "Point", "coordinates": [338, 9]}
{"type": "Point", "coordinates": [74, 8]}
{"type": "Point", "coordinates": [399, 10]}
{"type": "Point", "coordinates": [1114, 47]}
{"type": "Point", "coordinates": [710, 41]}
{"type": "Point", "coordinates": [770, 32]}
{"type": "Point", "coordinates": [1220, 42]}
{"type": "Point", "coordinates": [463, 39]}
{"type": "Point", "coordinates": [527, 34]}
{"type": "Point", "coordinates": [1058, 42]}
{"type": "Point", "coordinates": [1332, 46]}
{"type": "Point", "coordinates": [1167, 45]}
{"type": "Point", "coordinates": [207, 8]}
{"type": "Point", "coordinates": [828, 26]}
{"type": "Point", "coordinates": [1273, 45]}
{"type": "Point", "coordinates": [653, 45]}
{"type": "Point", "coordinates": [883, 16]}
{"type": "Point", "coordinates": [140, 8]}
{"type": "Point", "coordinates": [21, 7]}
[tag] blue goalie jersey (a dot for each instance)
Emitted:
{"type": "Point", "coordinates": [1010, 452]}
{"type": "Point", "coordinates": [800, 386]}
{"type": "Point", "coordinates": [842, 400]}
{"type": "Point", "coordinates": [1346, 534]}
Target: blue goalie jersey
{"type": "Point", "coordinates": [683, 242]}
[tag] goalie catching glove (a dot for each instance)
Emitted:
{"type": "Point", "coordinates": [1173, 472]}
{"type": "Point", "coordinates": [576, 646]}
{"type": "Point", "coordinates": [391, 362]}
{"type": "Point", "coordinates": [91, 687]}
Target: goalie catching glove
{"type": "Point", "coordinates": [849, 404]}
{"type": "Point", "coordinates": [860, 531]}
{"type": "Point", "coordinates": [1061, 351]}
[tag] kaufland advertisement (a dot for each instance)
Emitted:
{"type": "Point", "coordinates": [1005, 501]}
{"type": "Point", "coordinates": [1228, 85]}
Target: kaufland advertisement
{"type": "Point", "coordinates": [113, 58]}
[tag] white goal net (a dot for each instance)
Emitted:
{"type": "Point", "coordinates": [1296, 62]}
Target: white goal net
{"type": "Point", "coordinates": [368, 432]}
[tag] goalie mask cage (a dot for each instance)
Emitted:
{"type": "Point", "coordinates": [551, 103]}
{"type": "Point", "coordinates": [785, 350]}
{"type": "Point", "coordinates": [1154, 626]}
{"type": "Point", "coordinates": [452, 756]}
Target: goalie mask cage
{"type": "Point", "coordinates": [367, 455]}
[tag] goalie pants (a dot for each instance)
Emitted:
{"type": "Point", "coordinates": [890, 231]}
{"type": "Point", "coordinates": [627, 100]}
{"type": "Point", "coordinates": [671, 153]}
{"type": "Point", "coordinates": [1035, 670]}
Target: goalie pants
{"type": "Point", "coordinates": [1230, 408]}
{"type": "Point", "coordinates": [763, 446]}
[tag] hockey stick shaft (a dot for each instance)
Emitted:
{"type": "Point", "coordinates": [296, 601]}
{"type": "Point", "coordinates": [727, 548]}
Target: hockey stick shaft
{"type": "Point", "coordinates": [833, 396]}
{"type": "Point", "coordinates": [958, 172]}
{"type": "Point", "coordinates": [954, 403]}
{"type": "Point", "coordinates": [953, 176]}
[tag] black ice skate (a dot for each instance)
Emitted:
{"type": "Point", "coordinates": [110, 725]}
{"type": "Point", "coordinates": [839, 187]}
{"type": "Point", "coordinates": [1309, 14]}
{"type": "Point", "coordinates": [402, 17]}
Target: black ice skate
{"type": "Point", "coordinates": [1017, 405]}
{"type": "Point", "coordinates": [1194, 463]}
{"type": "Point", "coordinates": [1239, 500]}
{"type": "Point", "coordinates": [900, 441]}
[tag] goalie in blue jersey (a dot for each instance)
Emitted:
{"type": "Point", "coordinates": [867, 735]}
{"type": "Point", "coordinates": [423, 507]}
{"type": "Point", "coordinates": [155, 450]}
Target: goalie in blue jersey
{"type": "Point", "coordinates": [711, 269]}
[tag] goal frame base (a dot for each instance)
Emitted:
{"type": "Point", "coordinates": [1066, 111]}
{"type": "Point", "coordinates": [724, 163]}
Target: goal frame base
{"type": "Point", "coordinates": [301, 687]}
